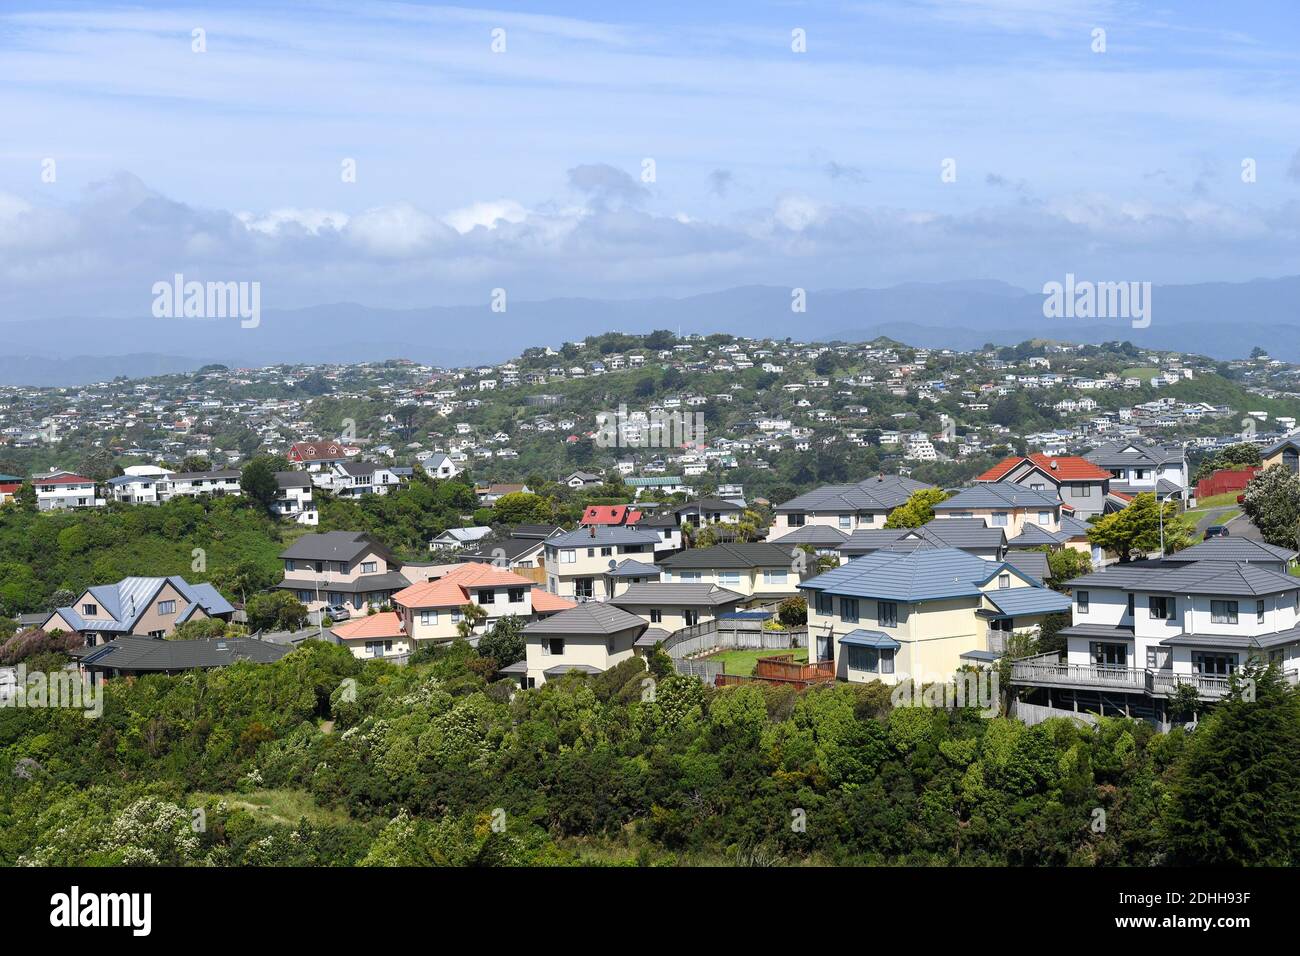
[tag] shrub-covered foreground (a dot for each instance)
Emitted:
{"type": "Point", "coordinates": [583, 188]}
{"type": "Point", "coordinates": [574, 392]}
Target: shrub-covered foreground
{"type": "Point", "coordinates": [431, 765]}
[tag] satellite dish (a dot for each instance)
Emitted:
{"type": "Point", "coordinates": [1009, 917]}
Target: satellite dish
{"type": "Point", "coordinates": [612, 564]}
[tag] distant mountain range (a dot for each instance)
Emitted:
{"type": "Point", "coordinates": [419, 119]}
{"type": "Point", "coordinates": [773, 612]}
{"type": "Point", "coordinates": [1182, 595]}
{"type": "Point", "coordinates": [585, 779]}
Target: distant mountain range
{"type": "Point", "coordinates": [1220, 319]}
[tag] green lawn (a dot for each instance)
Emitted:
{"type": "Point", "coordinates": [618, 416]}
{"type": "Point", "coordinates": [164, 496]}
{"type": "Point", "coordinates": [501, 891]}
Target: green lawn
{"type": "Point", "coordinates": [742, 662]}
{"type": "Point", "coordinates": [1142, 373]}
{"type": "Point", "coordinates": [1216, 501]}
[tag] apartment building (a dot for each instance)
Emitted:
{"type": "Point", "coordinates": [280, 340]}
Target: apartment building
{"type": "Point", "coordinates": [895, 615]}
{"type": "Point", "coordinates": [845, 507]}
{"type": "Point", "coordinates": [1141, 629]}
{"type": "Point", "coordinates": [577, 562]}
{"type": "Point", "coordinates": [194, 484]}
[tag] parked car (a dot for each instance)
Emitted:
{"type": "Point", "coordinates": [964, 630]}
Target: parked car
{"type": "Point", "coordinates": [337, 612]}
{"type": "Point", "coordinates": [1216, 531]}
{"type": "Point", "coordinates": [1241, 498]}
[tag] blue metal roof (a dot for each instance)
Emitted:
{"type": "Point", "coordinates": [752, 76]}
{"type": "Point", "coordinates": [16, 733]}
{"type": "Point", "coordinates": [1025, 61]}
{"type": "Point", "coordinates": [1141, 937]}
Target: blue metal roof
{"type": "Point", "coordinates": [865, 638]}
{"type": "Point", "coordinates": [605, 535]}
{"type": "Point", "coordinates": [1013, 602]}
{"type": "Point", "coordinates": [907, 576]}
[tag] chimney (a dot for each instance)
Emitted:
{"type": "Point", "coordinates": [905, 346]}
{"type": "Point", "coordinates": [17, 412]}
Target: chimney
{"type": "Point", "coordinates": [1054, 464]}
{"type": "Point", "coordinates": [592, 530]}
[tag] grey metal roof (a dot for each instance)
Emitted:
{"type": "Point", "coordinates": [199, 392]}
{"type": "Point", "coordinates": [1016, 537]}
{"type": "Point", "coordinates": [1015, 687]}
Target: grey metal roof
{"type": "Point", "coordinates": [293, 479]}
{"type": "Point", "coordinates": [987, 657]}
{"type": "Point", "coordinates": [603, 535]}
{"type": "Point", "coordinates": [882, 493]}
{"type": "Point", "coordinates": [362, 584]}
{"type": "Point", "coordinates": [333, 546]}
{"type": "Point", "coordinates": [922, 575]}
{"type": "Point", "coordinates": [1123, 454]}
{"type": "Point", "coordinates": [651, 636]}
{"type": "Point", "coordinates": [130, 653]}
{"type": "Point", "coordinates": [707, 504]}
{"type": "Point", "coordinates": [1032, 563]}
{"type": "Point", "coordinates": [1073, 527]}
{"type": "Point", "coordinates": [634, 569]}
{"type": "Point", "coordinates": [731, 556]}
{"type": "Point", "coordinates": [1292, 440]}
{"type": "Point", "coordinates": [128, 599]}
{"type": "Point", "coordinates": [589, 618]}
{"type": "Point", "coordinates": [674, 593]}
{"type": "Point", "coordinates": [518, 667]}
{"type": "Point", "coordinates": [1033, 536]}
{"type": "Point", "coordinates": [1234, 549]}
{"type": "Point", "coordinates": [1234, 641]}
{"type": "Point", "coordinates": [999, 494]}
{"type": "Point", "coordinates": [1101, 631]}
{"type": "Point", "coordinates": [1196, 577]}
{"type": "Point", "coordinates": [1164, 486]}
{"type": "Point", "coordinates": [813, 534]}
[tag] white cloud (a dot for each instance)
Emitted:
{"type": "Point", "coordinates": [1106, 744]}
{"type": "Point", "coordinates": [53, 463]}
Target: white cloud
{"type": "Point", "coordinates": [485, 214]}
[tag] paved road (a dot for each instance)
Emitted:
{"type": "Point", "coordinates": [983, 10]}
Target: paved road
{"type": "Point", "coordinates": [1240, 526]}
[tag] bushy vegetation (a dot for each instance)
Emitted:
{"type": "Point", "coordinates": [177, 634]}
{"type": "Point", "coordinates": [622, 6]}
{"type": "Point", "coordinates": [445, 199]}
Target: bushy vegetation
{"type": "Point", "coordinates": [322, 759]}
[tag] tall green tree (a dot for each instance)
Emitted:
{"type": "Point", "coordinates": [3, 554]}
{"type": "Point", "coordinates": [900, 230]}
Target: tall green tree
{"type": "Point", "coordinates": [1272, 502]}
{"type": "Point", "coordinates": [917, 510]}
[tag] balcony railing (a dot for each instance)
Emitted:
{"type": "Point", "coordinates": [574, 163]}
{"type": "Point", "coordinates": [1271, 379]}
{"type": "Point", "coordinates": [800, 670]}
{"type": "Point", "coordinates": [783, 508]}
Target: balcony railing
{"type": "Point", "coordinates": [1044, 671]}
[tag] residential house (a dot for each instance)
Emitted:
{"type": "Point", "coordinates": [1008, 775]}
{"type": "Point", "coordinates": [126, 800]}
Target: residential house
{"type": "Point", "coordinates": [348, 568]}
{"type": "Point", "coordinates": [139, 606]}
{"type": "Point", "coordinates": [1006, 506]}
{"type": "Point", "coordinates": [577, 562]}
{"type": "Point", "coordinates": [846, 507]}
{"type": "Point", "coordinates": [674, 606]}
{"type": "Point", "coordinates": [1137, 467]}
{"type": "Point", "coordinates": [1285, 452]}
{"type": "Point", "coordinates": [293, 497]}
{"type": "Point", "coordinates": [759, 571]}
{"type": "Point", "coordinates": [57, 490]}
{"type": "Point", "coordinates": [589, 639]}
{"type": "Point", "coordinates": [318, 455]}
{"type": "Point", "coordinates": [1077, 482]}
{"type": "Point", "coordinates": [133, 655]}
{"type": "Point", "coordinates": [895, 615]}
{"type": "Point", "coordinates": [707, 511]}
{"type": "Point", "coordinates": [1141, 629]}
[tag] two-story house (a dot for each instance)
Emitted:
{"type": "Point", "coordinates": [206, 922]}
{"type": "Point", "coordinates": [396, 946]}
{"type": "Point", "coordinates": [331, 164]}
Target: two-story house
{"type": "Point", "coordinates": [1006, 506]}
{"type": "Point", "coordinates": [1076, 482]}
{"type": "Point", "coordinates": [757, 571]}
{"type": "Point", "coordinates": [143, 607]}
{"type": "Point", "coordinates": [577, 562]}
{"type": "Point", "coordinates": [590, 638]}
{"type": "Point", "coordinates": [846, 507]}
{"type": "Point", "coordinates": [1137, 467]}
{"type": "Point", "coordinates": [341, 567]}
{"type": "Point", "coordinates": [673, 606]}
{"type": "Point", "coordinates": [1139, 630]}
{"type": "Point", "coordinates": [65, 489]}
{"type": "Point", "coordinates": [293, 497]}
{"type": "Point", "coordinates": [895, 615]}
{"type": "Point", "coordinates": [195, 484]}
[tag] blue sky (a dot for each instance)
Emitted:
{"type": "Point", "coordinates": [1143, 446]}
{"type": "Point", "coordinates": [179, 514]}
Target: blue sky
{"type": "Point", "coordinates": [523, 169]}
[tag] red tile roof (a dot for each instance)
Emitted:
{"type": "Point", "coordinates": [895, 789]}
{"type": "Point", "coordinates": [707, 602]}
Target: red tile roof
{"type": "Point", "coordinates": [1060, 467]}
{"type": "Point", "coordinates": [610, 515]}
{"type": "Point", "coordinates": [381, 624]}
{"type": "Point", "coordinates": [545, 602]}
{"type": "Point", "coordinates": [451, 590]}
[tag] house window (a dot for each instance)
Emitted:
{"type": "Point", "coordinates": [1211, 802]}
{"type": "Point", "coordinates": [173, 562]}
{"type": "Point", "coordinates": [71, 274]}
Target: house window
{"type": "Point", "coordinates": [1162, 608]}
{"type": "Point", "coordinates": [1130, 605]}
{"type": "Point", "coordinates": [169, 607]}
{"type": "Point", "coordinates": [378, 648]}
{"type": "Point", "coordinates": [369, 567]}
{"type": "Point", "coordinates": [656, 616]}
{"type": "Point", "coordinates": [516, 595]}
{"type": "Point", "coordinates": [887, 613]}
{"type": "Point", "coordinates": [1218, 665]}
{"type": "Point", "coordinates": [1081, 602]}
{"type": "Point", "coordinates": [774, 577]}
{"type": "Point", "coordinates": [999, 519]}
{"type": "Point", "coordinates": [1037, 486]}
{"type": "Point", "coordinates": [1259, 612]}
{"type": "Point", "coordinates": [1157, 658]}
{"type": "Point", "coordinates": [849, 610]}
{"type": "Point", "coordinates": [455, 616]}
{"type": "Point", "coordinates": [864, 659]}
{"type": "Point", "coordinates": [825, 603]}
{"type": "Point", "coordinates": [89, 610]}
{"type": "Point", "coordinates": [691, 618]}
{"type": "Point", "coordinates": [591, 552]}
{"type": "Point", "coordinates": [487, 596]}
{"type": "Point", "coordinates": [582, 587]}
{"type": "Point", "coordinates": [1223, 612]}
{"type": "Point", "coordinates": [568, 557]}
{"type": "Point", "coordinates": [1083, 491]}
{"type": "Point", "coordinates": [1044, 517]}
{"type": "Point", "coordinates": [606, 552]}
{"type": "Point", "coordinates": [1109, 655]}
{"type": "Point", "coordinates": [846, 521]}
{"type": "Point", "coordinates": [158, 634]}
{"type": "Point", "coordinates": [794, 521]}
{"type": "Point", "coordinates": [428, 618]}
{"type": "Point", "coordinates": [729, 577]}
{"type": "Point", "coordinates": [553, 646]}
{"type": "Point", "coordinates": [1004, 580]}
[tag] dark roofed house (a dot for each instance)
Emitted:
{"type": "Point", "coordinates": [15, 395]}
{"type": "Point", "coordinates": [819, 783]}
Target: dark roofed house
{"type": "Point", "coordinates": [847, 508]}
{"type": "Point", "coordinates": [589, 639]}
{"type": "Point", "coordinates": [146, 655]}
{"type": "Point", "coordinates": [672, 606]}
{"type": "Point", "coordinates": [760, 571]}
{"type": "Point", "coordinates": [348, 568]}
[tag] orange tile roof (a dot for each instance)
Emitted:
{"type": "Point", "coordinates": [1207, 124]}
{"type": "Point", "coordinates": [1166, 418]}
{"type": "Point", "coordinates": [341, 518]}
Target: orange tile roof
{"type": "Point", "coordinates": [1068, 467]}
{"type": "Point", "coordinates": [450, 590]}
{"type": "Point", "coordinates": [610, 514]}
{"type": "Point", "coordinates": [546, 602]}
{"type": "Point", "coordinates": [381, 624]}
